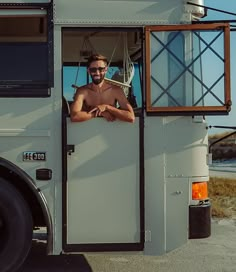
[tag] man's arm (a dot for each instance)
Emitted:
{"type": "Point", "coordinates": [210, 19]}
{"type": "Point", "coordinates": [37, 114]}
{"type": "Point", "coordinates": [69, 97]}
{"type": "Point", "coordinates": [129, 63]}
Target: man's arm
{"type": "Point", "coordinates": [76, 113]}
{"type": "Point", "coordinates": [125, 112]}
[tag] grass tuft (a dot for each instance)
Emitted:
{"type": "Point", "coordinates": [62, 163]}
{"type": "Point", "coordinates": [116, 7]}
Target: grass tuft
{"type": "Point", "coordinates": [222, 193]}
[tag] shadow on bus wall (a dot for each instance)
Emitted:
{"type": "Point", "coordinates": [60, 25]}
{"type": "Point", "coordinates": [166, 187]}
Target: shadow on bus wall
{"type": "Point", "coordinates": [38, 261]}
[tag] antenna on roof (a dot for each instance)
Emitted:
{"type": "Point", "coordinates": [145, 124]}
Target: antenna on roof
{"type": "Point", "coordinates": [218, 10]}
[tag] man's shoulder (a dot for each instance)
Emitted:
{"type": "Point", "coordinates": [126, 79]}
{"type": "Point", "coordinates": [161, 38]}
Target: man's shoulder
{"type": "Point", "coordinates": [82, 90]}
{"type": "Point", "coordinates": [118, 90]}
{"type": "Point", "coordinates": [113, 87]}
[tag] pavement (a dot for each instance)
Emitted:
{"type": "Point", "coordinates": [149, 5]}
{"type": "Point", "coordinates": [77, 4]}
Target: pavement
{"type": "Point", "coordinates": [214, 254]}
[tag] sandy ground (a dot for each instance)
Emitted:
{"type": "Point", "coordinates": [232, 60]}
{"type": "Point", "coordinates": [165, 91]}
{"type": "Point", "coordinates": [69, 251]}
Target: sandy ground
{"type": "Point", "coordinates": [216, 253]}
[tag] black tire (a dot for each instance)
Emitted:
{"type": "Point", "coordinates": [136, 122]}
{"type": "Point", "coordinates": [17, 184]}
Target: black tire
{"type": "Point", "coordinates": [16, 228]}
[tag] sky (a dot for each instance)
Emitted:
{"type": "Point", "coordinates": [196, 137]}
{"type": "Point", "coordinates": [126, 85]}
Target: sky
{"type": "Point", "coordinates": [229, 6]}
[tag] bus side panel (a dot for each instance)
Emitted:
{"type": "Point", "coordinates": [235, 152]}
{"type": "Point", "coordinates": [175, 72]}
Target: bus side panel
{"type": "Point", "coordinates": [113, 12]}
{"type": "Point", "coordinates": [186, 144]}
{"type": "Point", "coordinates": [154, 187]}
{"type": "Point", "coordinates": [175, 151]}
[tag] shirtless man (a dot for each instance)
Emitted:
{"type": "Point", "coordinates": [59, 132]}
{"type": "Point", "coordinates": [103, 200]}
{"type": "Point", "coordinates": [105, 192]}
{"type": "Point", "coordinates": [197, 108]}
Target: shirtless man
{"type": "Point", "coordinates": [99, 97]}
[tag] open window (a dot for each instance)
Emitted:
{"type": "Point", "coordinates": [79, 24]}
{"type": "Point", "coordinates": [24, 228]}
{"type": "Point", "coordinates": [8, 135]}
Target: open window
{"type": "Point", "coordinates": [26, 50]}
{"type": "Point", "coordinates": [122, 47]}
{"type": "Point", "coordinates": [188, 69]}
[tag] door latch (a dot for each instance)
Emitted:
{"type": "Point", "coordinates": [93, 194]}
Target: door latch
{"type": "Point", "coordinates": [70, 149]}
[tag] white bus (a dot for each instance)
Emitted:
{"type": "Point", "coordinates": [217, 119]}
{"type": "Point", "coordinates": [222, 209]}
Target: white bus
{"type": "Point", "coordinates": [96, 185]}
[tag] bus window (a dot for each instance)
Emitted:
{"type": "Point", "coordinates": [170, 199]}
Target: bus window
{"type": "Point", "coordinates": [26, 51]}
{"type": "Point", "coordinates": [178, 79]}
{"type": "Point", "coordinates": [176, 93]}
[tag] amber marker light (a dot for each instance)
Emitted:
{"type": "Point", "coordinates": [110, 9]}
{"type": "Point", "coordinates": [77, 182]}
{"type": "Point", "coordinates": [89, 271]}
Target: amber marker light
{"type": "Point", "coordinates": [199, 190]}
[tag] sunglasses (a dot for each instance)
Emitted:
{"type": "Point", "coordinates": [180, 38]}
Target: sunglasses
{"type": "Point", "coordinates": [95, 69]}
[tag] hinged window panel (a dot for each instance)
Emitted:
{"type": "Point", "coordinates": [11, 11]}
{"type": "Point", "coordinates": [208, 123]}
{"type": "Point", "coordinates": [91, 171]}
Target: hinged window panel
{"type": "Point", "coordinates": [188, 69]}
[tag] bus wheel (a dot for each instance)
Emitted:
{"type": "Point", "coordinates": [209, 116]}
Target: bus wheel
{"type": "Point", "coordinates": [16, 228]}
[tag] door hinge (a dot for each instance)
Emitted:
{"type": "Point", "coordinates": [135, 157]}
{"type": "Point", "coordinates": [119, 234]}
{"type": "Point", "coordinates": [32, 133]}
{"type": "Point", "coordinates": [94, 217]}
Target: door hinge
{"type": "Point", "coordinates": [148, 236]}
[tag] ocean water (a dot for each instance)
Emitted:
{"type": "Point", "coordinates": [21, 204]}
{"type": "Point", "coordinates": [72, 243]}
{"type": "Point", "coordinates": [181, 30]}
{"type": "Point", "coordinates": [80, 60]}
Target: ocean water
{"type": "Point", "coordinates": [225, 166]}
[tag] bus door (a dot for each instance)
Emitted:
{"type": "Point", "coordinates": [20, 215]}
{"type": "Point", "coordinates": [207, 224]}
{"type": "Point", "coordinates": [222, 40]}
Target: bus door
{"type": "Point", "coordinates": [103, 193]}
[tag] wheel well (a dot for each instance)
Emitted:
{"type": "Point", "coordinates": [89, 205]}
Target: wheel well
{"type": "Point", "coordinates": [19, 183]}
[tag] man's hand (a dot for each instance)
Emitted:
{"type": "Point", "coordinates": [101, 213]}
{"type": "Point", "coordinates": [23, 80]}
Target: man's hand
{"type": "Point", "coordinates": [99, 110]}
{"type": "Point", "coordinates": [108, 116]}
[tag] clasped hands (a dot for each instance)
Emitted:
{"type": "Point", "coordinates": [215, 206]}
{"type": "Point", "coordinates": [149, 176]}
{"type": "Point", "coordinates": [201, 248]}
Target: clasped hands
{"type": "Point", "coordinates": [101, 110]}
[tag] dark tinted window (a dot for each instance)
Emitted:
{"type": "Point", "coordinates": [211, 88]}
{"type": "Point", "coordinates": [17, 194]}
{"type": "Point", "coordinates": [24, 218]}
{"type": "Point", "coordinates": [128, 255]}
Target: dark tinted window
{"type": "Point", "coordinates": [23, 63]}
{"type": "Point", "coordinates": [26, 53]}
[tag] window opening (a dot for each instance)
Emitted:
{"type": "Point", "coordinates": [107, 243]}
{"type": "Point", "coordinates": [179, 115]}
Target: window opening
{"type": "Point", "coordinates": [122, 51]}
{"type": "Point", "coordinates": [124, 75]}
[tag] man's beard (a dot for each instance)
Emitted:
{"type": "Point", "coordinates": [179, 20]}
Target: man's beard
{"type": "Point", "coordinates": [97, 80]}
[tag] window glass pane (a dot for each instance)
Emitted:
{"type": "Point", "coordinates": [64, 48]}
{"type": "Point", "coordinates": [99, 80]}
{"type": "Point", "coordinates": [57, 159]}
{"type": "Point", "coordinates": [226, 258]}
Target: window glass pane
{"type": "Point", "coordinates": [20, 29]}
{"type": "Point", "coordinates": [211, 69]}
{"type": "Point", "coordinates": [167, 66]}
{"type": "Point", "coordinates": [26, 54]}
{"type": "Point", "coordinates": [23, 63]}
{"type": "Point", "coordinates": [188, 69]}
{"type": "Point", "coordinates": [176, 64]}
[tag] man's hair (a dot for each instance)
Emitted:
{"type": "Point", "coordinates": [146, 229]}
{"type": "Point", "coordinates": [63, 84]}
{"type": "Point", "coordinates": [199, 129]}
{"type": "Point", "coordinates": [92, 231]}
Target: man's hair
{"type": "Point", "coordinates": [96, 57]}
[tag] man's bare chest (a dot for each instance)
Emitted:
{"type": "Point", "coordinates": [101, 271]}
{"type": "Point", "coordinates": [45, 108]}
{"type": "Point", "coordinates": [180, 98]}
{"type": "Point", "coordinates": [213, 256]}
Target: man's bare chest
{"type": "Point", "coordinates": [98, 98]}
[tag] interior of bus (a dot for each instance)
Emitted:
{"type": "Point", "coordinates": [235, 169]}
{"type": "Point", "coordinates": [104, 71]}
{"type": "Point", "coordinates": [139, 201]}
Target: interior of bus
{"type": "Point", "coordinates": [121, 47]}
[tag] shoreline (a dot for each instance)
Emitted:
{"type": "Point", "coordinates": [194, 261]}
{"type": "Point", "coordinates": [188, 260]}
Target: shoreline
{"type": "Point", "coordinates": [222, 173]}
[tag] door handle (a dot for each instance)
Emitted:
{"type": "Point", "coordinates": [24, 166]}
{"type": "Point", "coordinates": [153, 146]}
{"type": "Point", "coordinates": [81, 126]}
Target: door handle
{"type": "Point", "coordinates": [70, 149]}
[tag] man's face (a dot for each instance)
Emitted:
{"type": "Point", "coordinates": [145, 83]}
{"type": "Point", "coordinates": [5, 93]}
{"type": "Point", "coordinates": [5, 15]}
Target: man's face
{"type": "Point", "coordinates": [97, 71]}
